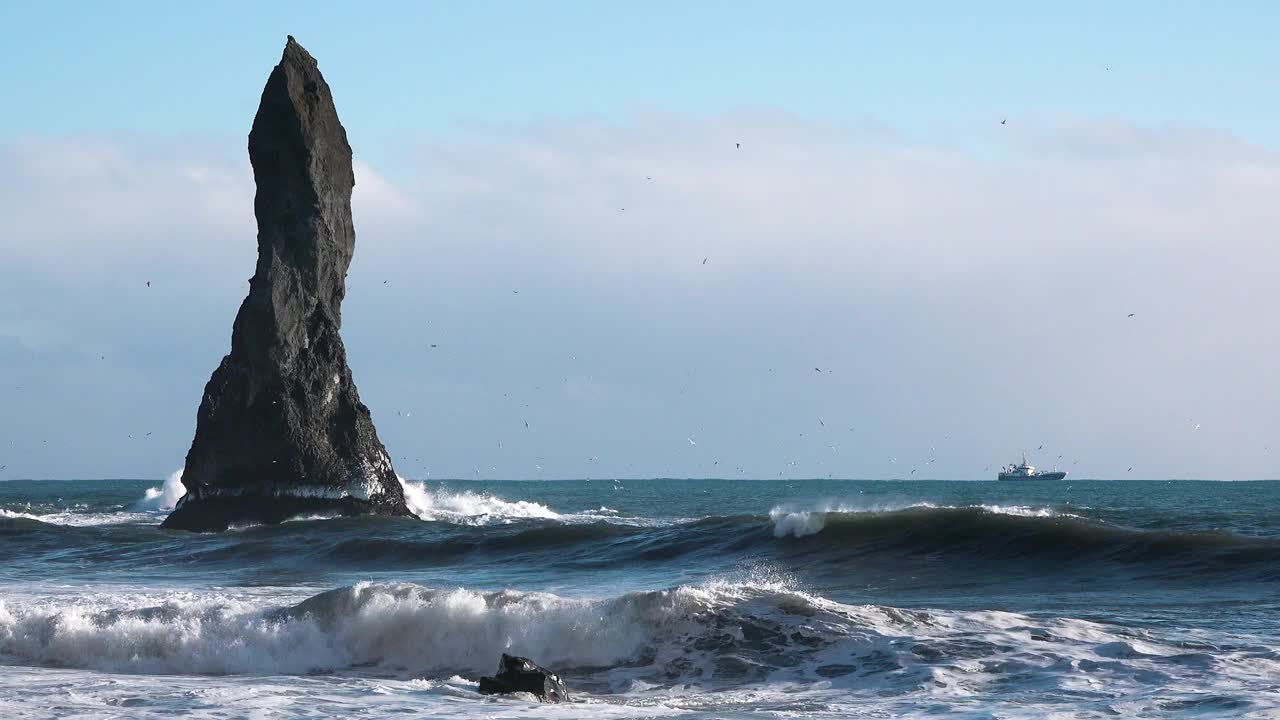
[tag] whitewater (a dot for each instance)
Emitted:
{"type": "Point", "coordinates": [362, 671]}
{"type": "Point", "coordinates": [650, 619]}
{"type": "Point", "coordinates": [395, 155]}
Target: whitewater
{"type": "Point", "coordinates": [654, 598]}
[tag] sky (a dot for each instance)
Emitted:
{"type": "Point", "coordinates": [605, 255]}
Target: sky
{"type": "Point", "coordinates": [951, 233]}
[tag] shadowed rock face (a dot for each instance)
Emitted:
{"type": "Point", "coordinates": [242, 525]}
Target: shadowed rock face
{"type": "Point", "coordinates": [281, 429]}
{"type": "Point", "coordinates": [519, 674]}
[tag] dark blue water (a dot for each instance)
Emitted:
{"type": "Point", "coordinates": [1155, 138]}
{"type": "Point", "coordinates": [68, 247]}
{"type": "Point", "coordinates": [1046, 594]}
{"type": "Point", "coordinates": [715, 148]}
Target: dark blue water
{"type": "Point", "coordinates": [1090, 598]}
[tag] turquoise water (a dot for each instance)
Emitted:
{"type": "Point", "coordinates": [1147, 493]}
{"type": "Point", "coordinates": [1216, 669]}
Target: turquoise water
{"type": "Point", "coordinates": [701, 598]}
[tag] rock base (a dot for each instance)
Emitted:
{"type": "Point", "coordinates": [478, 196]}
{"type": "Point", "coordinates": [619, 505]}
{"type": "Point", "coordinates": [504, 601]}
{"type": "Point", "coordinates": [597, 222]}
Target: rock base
{"type": "Point", "coordinates": [218, 514]}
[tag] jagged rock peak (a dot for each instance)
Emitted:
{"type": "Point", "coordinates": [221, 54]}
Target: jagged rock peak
{"type": "Point", "coordinates": [281, 429]}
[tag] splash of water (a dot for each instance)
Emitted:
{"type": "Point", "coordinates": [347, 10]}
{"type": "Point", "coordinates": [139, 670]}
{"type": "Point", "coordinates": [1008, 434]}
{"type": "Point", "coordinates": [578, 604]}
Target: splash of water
{"type": "Point", "coordinates": [166, 496]}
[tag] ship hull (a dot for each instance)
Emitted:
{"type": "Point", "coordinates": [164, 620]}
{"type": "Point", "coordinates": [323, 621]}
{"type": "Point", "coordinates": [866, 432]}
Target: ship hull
{"type": "Point", "coordinates": [1009, 477]}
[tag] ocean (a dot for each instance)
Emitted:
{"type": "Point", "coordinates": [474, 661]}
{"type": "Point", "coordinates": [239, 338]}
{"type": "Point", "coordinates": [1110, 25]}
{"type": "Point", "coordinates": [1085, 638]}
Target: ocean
{"type": "Point", "coordinates": [654, 598]}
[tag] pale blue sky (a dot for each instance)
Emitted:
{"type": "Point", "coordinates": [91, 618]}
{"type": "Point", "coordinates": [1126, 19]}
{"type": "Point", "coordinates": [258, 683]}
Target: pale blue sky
{"type": "Point", "coordinates": [402, 67]}
{"type": "Point", "coordinates": [965, 287]}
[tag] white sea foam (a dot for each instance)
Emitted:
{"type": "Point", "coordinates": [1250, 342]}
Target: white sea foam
{"type": "Point", "coordinates": [18, 514]}
{"type": "Point", "coordinates": [1024, 511]}
{"type": "Point", "coordinates": [76, 517]}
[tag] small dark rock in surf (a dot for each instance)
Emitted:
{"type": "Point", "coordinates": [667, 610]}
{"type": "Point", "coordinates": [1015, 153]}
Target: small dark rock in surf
{"type": "Point", "coordinates": [517, 674]}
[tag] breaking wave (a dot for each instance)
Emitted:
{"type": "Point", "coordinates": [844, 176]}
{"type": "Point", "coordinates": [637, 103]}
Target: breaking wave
{"type": "Point", "coordinates": [393, 626]}
{"type": "Point", "coordinates": [716, 635]}
{"type": "Point", "coordinates": [469, 507]}
{"type": "Point", "coordinates": [472, 508]}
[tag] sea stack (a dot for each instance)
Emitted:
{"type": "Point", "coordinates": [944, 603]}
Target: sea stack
{"type": "Point", "coordinates": [281, 430]}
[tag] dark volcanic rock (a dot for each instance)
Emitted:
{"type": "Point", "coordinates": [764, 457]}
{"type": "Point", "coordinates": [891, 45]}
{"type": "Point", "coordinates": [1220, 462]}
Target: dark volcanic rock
{"type": "Point", "coordinates": [517, 674]}
{"type": "Point", "coordinates": [281, 429]}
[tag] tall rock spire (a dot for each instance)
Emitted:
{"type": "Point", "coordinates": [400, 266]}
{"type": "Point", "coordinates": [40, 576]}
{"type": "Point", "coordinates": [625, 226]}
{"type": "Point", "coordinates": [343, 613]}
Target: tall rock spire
{"type": "Point", "coordinates": [281, 429]}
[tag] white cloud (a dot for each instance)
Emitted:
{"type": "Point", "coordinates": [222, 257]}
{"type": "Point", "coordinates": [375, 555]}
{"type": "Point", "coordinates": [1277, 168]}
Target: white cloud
{"type": "Point", "coordinates": [97, 206]}
{"type": "Point", "coordinates": [977, 289]}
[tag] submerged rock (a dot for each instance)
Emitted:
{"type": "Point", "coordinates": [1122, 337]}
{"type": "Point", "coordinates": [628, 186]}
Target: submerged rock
{"type": "Point", "coordinates": [517, 674]}
{"type": "Point", "coordinates": [281, 429]}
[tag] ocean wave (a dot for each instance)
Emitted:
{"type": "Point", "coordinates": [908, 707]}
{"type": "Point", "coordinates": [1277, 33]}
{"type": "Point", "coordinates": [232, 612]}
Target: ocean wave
{"type": "Point", "coordinates": [393, 626]}
{"type": "Point", "coordinates": [421, 629]}
{"type": "Point", "coordinates": [789, 520]}
{"type": "Point", "coordinates": [716, 635]}
{"type": "Point", "coordinates": [1018, 535]}
{"type": "Point", "coordinates": [836, 544]}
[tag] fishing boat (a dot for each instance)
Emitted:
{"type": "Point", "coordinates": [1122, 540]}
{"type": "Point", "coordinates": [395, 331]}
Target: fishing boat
{"type": "Point", "coordinates": [1024, 471]}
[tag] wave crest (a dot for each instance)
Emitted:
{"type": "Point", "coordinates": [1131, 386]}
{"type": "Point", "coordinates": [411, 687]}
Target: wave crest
{"type": "Point", "coordinates": [392, 626]}
{"type": "Point", "coordinates": [788, 520]}
{"type": "Point", "coordinates": [468, 507]}
{"type": "Point", "coordinates": [472, 508]}
{"type": "Point", "coordinates": [709, 637]}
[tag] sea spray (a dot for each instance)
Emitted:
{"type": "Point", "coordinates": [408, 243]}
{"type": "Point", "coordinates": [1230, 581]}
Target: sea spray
{"type": "Point", "coordinates": [166, 496]}
{"type": "Point", "coordinates": [469, 507]}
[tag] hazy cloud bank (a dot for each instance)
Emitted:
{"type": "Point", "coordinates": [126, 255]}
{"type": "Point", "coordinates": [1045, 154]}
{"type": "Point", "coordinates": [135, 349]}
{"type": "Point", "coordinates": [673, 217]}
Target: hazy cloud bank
{"type": "Point", "coordinates": [968, 297]}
